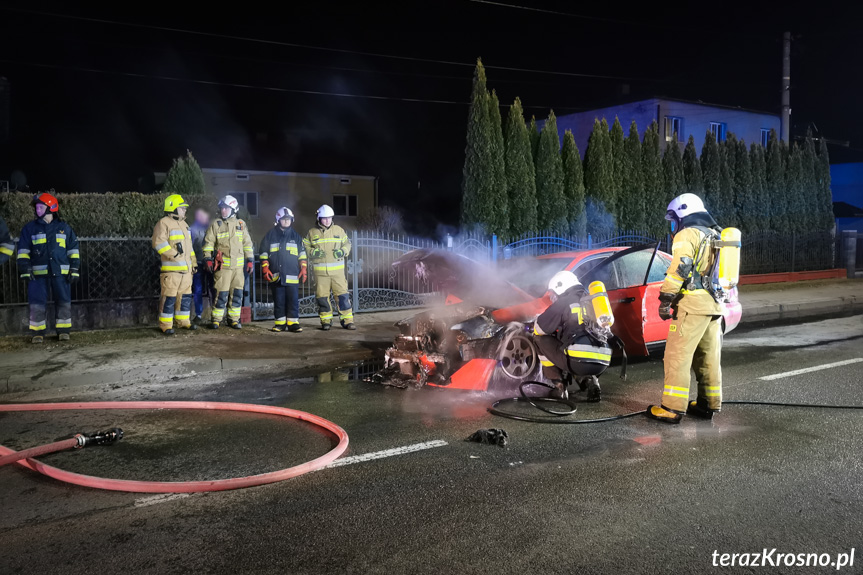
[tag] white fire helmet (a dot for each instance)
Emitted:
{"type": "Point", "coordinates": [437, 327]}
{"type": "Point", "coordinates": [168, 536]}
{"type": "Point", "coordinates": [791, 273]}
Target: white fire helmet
{"type": "Point", "coordinates": [325, 211]}
{"type": "Point", "coordinates": [284, 213]}
{"type": "Point", "coordinates": [230, 202]}
{"type": "Point", "coordinates": [562, 281]}
{"type": "Point", "coordinates": [684, 205]}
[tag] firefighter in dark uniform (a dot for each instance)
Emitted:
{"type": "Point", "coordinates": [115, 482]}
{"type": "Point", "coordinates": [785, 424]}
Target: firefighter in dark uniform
{"type": "Point", "coordinates": [284, 265]}
{"type": "Point", "coordinates": [48, 258]}
{"type": "Point", "coordinates": [566, 344]}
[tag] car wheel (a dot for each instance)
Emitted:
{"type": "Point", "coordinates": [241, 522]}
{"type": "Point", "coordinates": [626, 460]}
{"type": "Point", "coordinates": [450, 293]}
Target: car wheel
{"type": "Point", "coordinates": [517, 356]}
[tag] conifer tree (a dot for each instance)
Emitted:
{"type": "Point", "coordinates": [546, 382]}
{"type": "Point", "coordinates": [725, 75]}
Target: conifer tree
{"type": "Point", "coordinates": [533, 134]}
{"type": "Point", "coordinates": [631, 199]}
{"type": "Point", "coordinates": [692, 169]}
{"type": "Point", "coordinates": [825, 195]}
{"type": "Point", "coordinates": [759, 207]}
{"type": "Point", "coordinates": [744, 194]}
{"type": "Point", "coordinates": [654, 194]}
{"type": "Point", "coordinates": [520, 173]}
{"type": "Point", "coordinates": [775, 184]}
{"type": "Point", "coordinates": [795, 191]}
{"type": "Point", "coordinates": [477, 176]}
{"type": "Point", "coordinates": [598, 181]}
{"type": "Point", "coordinates": [498, 207]}
{"type": "Point", "coordinates": [573, 185]}
{"type": "Point", "coordinates": [618, 166]}
{"type": "Point", "coordinates": [726, 213]}
{"type": "Point", "coordinates": [812, 216]}
{"type": "Point", "coordinates": [672, 171]}
{"type": "Point", "coordinates": [185, 177]}
{"type": "Point", "coordinates": [710, 172]}
{"type": "Point", "coordinates": [551, 209]}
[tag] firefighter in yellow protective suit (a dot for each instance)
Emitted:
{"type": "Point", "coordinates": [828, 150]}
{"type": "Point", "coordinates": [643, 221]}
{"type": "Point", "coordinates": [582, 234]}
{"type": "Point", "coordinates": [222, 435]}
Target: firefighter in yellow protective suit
{"type": "Point", "coordinates": [172, 240]}
{"type": "Point", "coordinates": [230, 256]}
{"type": "Point", "coordinates": [327, 246]}
{"type": "Point", "coordinates": [695, 334]}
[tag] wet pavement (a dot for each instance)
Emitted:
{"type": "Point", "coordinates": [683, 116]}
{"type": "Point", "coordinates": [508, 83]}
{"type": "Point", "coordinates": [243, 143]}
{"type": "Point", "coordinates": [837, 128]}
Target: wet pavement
{"type": "Point", "coordinates": [630, 496]}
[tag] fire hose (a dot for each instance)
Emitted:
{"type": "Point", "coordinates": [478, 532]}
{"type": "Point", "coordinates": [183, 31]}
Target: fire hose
{"type": "Point", "coordinates": [25, 457]}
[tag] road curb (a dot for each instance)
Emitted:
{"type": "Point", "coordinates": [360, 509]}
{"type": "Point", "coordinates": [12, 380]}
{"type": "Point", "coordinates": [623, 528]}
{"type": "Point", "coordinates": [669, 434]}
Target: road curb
{"type": "Point", "coordinates": [802, 310]}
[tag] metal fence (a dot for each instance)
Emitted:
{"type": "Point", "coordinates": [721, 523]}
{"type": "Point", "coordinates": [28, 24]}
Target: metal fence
{"type": "Point", "coordinates": [111, 269]}
{"type": "Point", "coordinates": [128, 268]}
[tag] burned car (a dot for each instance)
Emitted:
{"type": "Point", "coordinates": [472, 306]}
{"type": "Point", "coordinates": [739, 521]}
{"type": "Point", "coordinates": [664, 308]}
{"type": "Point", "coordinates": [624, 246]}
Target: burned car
{"type": "Point", "coordinates": [462, 345]}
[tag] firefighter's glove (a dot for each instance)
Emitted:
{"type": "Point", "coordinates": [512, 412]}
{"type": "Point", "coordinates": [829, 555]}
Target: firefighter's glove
{"type": "Point", "coordinates": [72, 277]}
{"type": "Point", "coordinates": [665, 300]}
{"type": "Point", "coordinates": [338, 253]}
{"type": "Point", "coordinates": [250, 266]}
{"type": "Point", "coordinates": [29, 276]}
{"type": "Point", "coordinates": [210, 265]}
{"type": "Point", "coordinates": [304, 271]}
{"type": "Point", "coordinates": [266, 272]}
{"type": "Point", "coordinates": [318, 254]}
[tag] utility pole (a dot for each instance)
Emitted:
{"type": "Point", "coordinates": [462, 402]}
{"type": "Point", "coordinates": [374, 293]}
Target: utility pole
{"type": "Point", "coordinates": [784, 133]}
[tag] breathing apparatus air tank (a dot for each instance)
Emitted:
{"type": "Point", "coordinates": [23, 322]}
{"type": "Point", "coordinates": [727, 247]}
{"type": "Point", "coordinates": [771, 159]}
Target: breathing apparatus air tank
{"type": "Point", "coordinates": [601, 304]}
{"type": "Point", "coordinates": [728, 273]}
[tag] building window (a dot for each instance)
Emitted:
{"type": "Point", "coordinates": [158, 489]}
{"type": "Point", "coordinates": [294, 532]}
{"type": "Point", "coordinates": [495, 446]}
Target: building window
{"type": "Point", "coordinates": [765, 137]}
{"type": "Point", "coordinates": [718, 130]}
{"type": "Point", "coordinates": [248, 199]}
{"type": "Point", "coordinates": [345, 205]}
{"type": "Point", "coordinates": [673, 125]}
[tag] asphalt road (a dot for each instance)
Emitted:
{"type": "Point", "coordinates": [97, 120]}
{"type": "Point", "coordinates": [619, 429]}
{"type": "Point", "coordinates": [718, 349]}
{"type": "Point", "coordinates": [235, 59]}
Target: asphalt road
{"type": "Point", "coordinates": [629, 496]}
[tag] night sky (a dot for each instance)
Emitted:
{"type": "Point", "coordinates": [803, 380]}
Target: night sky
{"type": "Point", "coordinates": [96, 104]}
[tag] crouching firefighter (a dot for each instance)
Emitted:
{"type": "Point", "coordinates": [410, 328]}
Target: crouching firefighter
{"type": "Point", "coordinates": [230, 256]}
{"type": "Point", "coordinates": [572, 337]}
{"type": "Point", "coordinates": [48, 258]}
{"type": "Point", "coordinates": [172, 240]}
{"type": "Point", "coordinates": [283, 264]}
{"type": "Point", "coordinates": [328, 245]}
{"type": "Point", "coordinates": [691, 297]}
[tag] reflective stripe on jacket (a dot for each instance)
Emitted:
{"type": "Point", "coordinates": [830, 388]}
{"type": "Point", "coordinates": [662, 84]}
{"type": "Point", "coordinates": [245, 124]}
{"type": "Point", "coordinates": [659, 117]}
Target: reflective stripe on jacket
{"type": "Point", "coordinates": [320, 243]}
{"type": "Point", "coordinates": [167, 234]}
{"type": "Point", "coordinates": [284, 251]}
{"type": "Point", "coordinates": [48, 249]}
{"type": "Point", "coordinates": [231, 237]}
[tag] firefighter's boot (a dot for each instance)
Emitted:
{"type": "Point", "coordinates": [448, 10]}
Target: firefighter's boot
{"type": "Point", "coordinates": [594, 393]}
{"type": "Point", "coordinates": [663, 414]}
{"type": "Point", "coordinates": [699, 408]}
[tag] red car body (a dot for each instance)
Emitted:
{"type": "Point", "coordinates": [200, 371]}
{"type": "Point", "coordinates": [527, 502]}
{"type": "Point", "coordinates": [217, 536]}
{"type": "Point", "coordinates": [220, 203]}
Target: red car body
{"type": "Point", "coordinates": [632, 278]}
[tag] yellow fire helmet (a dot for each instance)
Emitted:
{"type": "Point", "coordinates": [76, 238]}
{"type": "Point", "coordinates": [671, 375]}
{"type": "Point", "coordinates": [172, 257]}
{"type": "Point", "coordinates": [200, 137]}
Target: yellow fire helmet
{"type": "Point", "coordinates": [175, 201]}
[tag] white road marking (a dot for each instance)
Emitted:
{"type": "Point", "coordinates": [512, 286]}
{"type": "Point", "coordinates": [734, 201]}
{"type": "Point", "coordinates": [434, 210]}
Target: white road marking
{"type": "Point", "coordinates": [160, 498]}
{"type": "Point", "coordinates": [387, 453]}
{"type": "Point", "coordinates": [810, 369]}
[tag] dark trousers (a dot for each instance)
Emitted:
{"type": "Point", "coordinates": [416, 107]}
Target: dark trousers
{"type": "Point", "coordinates": [286, 303]}
{"type": "Point", "coordinates": [201, 286]}
{"type": "Point", "coordinates": [555, 361]}
{"type": "Point", "coordinates": [37, 296]}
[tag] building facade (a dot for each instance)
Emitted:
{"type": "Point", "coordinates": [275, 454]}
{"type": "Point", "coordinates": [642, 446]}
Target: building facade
{"type": "Point", "coordinates": [683, 117]}
{"type": "Point", "coordinates": [262, 193]}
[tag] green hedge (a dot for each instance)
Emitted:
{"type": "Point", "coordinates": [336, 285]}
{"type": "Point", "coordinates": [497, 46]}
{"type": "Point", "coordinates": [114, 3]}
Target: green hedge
{"type": "Point", "coordinates": [127, 214]}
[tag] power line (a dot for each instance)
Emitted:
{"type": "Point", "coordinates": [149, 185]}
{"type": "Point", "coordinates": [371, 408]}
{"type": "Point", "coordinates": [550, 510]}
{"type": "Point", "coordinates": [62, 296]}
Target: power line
{"type": "Point", "coordinates": [265, 88]}
{"type": "Point", "coordinates": [556, 13]}
{"type": "Point", "coordinates": [322, 48]}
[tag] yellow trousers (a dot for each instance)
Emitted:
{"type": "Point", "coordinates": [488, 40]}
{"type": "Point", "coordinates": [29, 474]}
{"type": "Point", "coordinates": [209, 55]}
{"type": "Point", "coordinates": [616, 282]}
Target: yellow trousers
{"type": "Point", "coordinates": [694, 343]}
{"type": "Point", "coordinates": [339, 286]}
{"type": "Point", "coordinates": [175, 304]}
